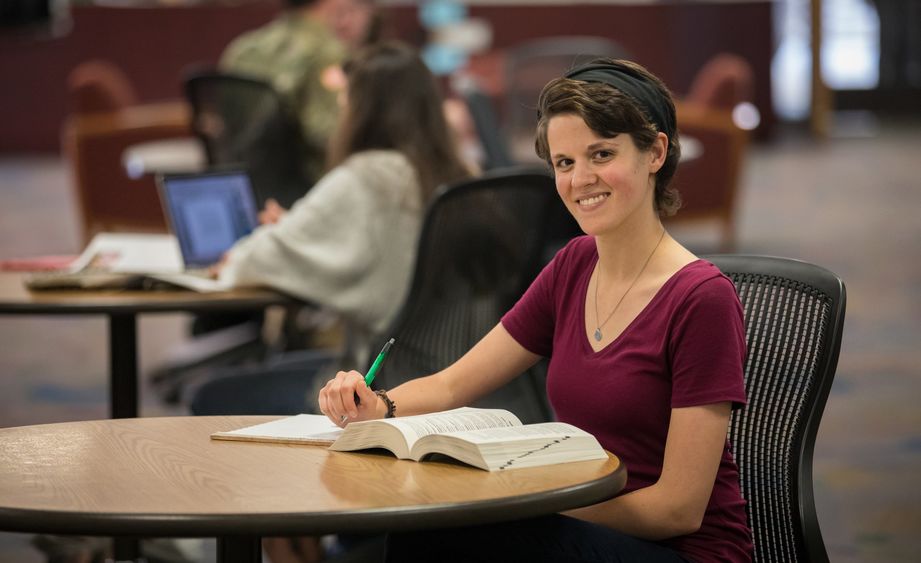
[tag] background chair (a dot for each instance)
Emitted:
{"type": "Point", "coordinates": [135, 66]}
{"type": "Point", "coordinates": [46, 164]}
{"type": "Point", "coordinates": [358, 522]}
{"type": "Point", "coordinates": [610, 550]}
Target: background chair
{"type": "Point", "coordinates": [99, 86]}
{"type": "Point", "coordinates": [725, 81]}
{"type": "Point", "coordinates": [794, 316]}
{"type": "Point", "coordinates": [529, 66]}
{"type": "Point", "coordinates": [105, 119]}
{"type": "Point", "coordinates": [709, 183]}
{"type": "Point", "coordinates": [488, 130]}
{"type": "Point", "coordinates": [244, 122]}
{"type": "Point", "coordinates": [717, 113]}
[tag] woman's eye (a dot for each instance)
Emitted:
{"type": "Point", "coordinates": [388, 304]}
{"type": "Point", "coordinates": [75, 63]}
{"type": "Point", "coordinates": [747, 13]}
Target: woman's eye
{"type": "Point", "coordinates": [563, 163]}
{"type": "Point", "coordinates": [603, 155]}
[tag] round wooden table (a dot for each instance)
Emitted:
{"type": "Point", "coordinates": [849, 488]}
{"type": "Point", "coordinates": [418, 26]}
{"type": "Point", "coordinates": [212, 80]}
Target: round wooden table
{"type": "Point", "coordinates": [165, 477]}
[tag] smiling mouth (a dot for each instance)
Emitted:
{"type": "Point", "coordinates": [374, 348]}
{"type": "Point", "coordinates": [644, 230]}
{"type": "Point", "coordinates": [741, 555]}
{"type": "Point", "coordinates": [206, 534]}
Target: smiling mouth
{"type": "Point", "coordinates": [592, 200]}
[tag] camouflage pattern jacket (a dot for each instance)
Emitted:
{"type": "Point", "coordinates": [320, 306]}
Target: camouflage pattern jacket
{"type": "Point", "coordinates": [295, 54]}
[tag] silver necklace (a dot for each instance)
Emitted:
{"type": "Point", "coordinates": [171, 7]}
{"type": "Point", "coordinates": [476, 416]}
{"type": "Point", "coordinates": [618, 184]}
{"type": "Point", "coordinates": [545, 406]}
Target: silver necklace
{"type": "Point", "coordinates": [598, 335]}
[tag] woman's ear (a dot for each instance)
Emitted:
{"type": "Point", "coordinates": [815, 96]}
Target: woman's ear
{"type": "Point", "coordinates": [658, 151]}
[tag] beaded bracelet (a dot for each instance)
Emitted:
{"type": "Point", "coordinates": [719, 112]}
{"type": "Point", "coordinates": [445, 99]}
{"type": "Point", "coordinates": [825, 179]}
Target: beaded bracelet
{"type": "Point", "coordinates": [391, 408]}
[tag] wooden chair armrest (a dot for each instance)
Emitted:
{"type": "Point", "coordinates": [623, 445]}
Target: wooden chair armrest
{"type": "Point", "coordinates": [172, 119]}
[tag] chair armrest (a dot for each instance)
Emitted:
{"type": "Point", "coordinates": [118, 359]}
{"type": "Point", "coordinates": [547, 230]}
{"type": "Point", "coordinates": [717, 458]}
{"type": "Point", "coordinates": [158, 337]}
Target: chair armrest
{"type": "Point", "coordinates": [160, 120]}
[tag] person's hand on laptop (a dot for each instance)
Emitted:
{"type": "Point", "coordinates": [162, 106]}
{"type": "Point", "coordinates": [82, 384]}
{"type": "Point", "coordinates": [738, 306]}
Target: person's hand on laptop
{"type": "Point", "coordinates": [272, 212]}
{"type": "Point", "coordinates": [214, 271]}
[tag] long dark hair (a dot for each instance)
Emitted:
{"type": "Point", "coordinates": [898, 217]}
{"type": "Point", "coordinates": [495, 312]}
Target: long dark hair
{"type": "Point", "coordinates": [394, 103]}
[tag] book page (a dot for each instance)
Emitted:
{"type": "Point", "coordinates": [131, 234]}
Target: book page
{"type": "Point", "coordinates": [457, 420]}
{"type": "Point", "coordinates": [497, 449]}
{"type": "Point", "coordinates": [509, 434]}
{"type": "Point", "coordinates": [299, 429]}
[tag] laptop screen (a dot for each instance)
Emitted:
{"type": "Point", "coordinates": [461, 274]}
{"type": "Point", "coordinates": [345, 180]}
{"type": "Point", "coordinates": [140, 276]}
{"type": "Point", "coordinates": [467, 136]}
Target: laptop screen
{"type": "Point", "coordinates": [208, 212]}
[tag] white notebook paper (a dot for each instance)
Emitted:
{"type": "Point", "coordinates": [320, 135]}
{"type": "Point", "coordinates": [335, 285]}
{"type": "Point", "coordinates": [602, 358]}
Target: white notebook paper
{"type": "Point", "coordinates": [299, 429]}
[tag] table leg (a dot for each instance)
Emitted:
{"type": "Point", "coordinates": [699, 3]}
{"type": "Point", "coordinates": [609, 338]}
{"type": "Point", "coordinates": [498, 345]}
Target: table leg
{"type": "Point", "coordinates": [126, 549]}
{"type": "Point", "coordinates": [123, 398]}
{"type": "Point", "coordinates": [239, 549]}
{"type": "Point", "coordinates": [123, 366]}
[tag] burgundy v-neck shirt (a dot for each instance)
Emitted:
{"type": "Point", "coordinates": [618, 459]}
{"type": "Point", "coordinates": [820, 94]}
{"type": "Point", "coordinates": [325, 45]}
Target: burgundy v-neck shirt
{"type": "Point", "coordinates": [686, 348]}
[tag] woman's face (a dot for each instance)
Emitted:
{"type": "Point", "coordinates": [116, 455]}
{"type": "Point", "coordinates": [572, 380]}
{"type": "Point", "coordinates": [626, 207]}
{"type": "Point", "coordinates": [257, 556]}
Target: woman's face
{"type": "Point", "coordinates": [604, 182]}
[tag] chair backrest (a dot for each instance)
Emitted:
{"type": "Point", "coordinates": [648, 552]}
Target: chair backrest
{"type": "Point", "coordinates": [794, 317]}
{"type": "Point", "coordinates": [709, 183]}
{"type": "Point", "coordinates": [528, 68]}
{"type": "Point", "coordinates": [479, 248]}
{"type": "Point", "coordinates": [717, 113]}
{"type": "Point", "coordinates": [97, 86]}
{"type": "Point", "coordinates": [725, 81]}
{"type": "Point", "coordinates": [244, 122]}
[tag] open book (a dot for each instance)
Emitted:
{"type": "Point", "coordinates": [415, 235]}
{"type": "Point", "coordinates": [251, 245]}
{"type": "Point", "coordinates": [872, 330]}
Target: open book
{"type": "Point", "coordinates": [491, 439]}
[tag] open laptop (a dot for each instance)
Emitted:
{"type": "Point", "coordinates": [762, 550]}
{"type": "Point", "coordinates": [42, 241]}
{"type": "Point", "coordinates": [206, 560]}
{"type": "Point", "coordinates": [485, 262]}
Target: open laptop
{"type": "Point", "coordinates": [207, 212]}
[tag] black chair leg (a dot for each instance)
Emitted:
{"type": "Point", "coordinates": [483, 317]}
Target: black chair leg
{"type": "Point", "coordinates": [239, 549]}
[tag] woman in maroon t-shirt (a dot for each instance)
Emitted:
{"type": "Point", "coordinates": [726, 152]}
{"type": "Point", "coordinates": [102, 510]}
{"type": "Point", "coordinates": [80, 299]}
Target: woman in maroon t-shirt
{"type": "Point", "coordinates": [646, 346]}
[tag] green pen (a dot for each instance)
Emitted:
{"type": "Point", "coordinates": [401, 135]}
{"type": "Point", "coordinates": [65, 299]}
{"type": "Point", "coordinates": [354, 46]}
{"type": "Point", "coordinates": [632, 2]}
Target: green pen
{"type": "Point", "coordinates": [375, 367]}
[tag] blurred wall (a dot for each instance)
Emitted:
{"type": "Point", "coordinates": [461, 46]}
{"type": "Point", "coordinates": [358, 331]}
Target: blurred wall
{"type": "Point", "coordinates": [151, 44]}
{"type": "Point", "coordinates": [154, 44]}
{"type": "Point", "coordinates": [673, 38]}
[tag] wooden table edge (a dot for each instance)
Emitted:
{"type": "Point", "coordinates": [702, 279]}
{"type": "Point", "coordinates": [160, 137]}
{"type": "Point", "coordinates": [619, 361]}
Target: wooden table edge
{"type": "Point", "coordinates": [293, 523]}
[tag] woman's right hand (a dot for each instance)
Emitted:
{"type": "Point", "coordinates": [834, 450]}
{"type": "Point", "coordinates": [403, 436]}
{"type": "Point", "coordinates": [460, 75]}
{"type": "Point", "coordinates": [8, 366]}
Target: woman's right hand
{"type": "Point", "coordinates": [214, 270]}
{"type": "Point", "coordinates": [337, 399]}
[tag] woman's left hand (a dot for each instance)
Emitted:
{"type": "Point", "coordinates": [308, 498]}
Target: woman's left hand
{"type": "Point", "coordinates": [271, 213]}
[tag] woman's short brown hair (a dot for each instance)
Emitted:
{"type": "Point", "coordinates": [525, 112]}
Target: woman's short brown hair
{"type": "Point", "coordinates": [608, 112]}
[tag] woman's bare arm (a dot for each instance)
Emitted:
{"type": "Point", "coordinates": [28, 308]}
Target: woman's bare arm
{"type": "Point", "coordinates": [493, 361]}
{"type": "Point", "coordinates": [676, 503]}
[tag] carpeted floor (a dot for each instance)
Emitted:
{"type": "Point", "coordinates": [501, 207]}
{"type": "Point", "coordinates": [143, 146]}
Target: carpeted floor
{"type": "Point", "coordinates": [849, 204]}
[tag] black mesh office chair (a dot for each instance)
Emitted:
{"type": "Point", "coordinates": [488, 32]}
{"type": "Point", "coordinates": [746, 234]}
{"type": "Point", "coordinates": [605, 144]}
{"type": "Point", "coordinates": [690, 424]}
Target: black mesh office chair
{"type": "Point", "coordinates": [243, 121]}
{"type": "Point", "coordinates": [794, 317]}
{"type": "Point", "coordinates": [480, 248]}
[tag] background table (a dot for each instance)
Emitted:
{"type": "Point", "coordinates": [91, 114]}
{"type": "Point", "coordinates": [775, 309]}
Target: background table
{"type": "Point", "coordinates": [166, 477]}
{"type": "Point", "coordinates": [122, 308]}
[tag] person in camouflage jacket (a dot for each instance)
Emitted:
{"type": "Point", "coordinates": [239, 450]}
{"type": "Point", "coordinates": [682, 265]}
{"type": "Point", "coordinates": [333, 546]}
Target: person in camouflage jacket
{"type": "Point", "coordinates": [300, 53]}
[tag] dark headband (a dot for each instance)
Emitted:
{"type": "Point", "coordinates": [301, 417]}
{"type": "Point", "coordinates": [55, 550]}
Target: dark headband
{"type": "Point", "coordinates": [636, 87]}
